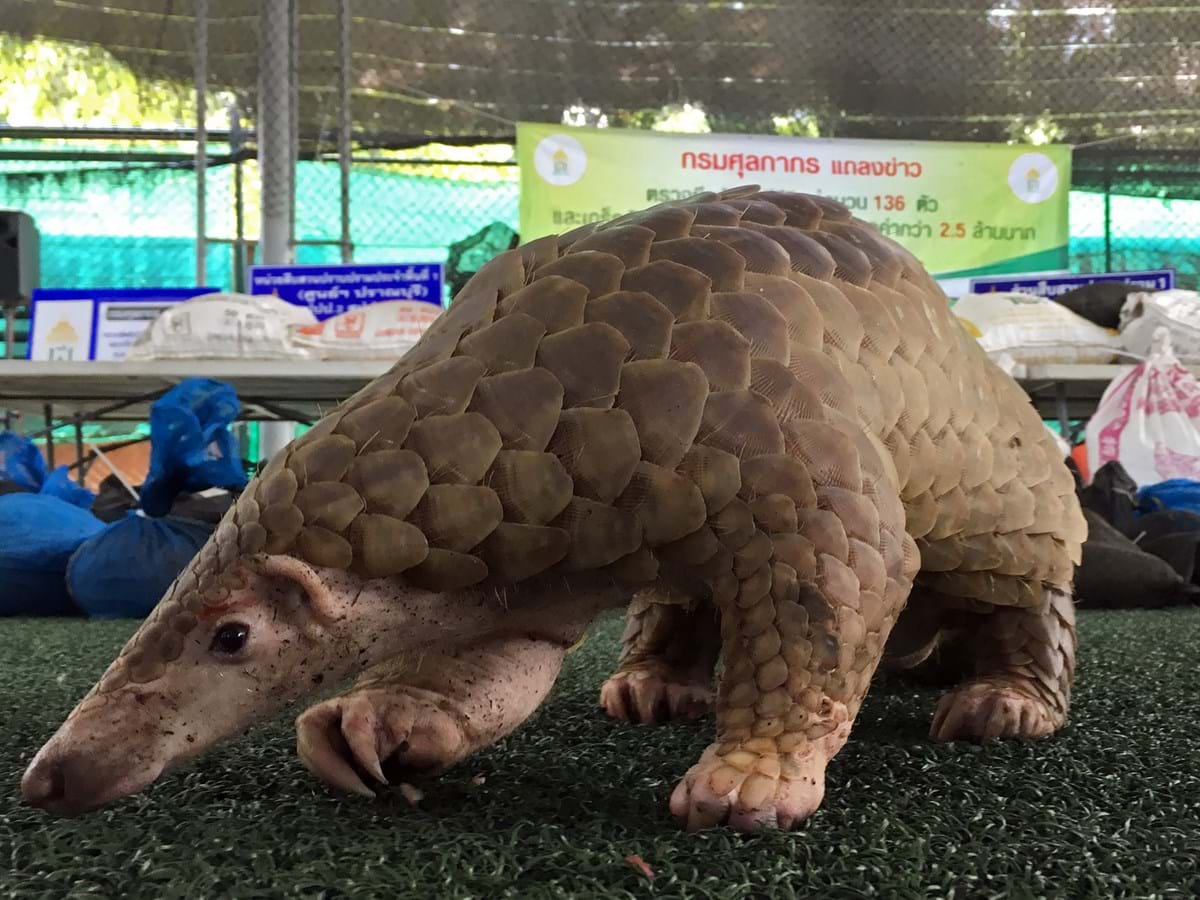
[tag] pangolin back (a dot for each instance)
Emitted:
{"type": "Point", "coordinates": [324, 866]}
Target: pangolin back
{"type": "Point", "coordinates": [653, 390]}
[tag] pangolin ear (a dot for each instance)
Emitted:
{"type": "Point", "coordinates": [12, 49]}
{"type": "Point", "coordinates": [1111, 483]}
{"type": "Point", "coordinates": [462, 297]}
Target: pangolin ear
{"type": "Point", "coordinates": [307, 595]}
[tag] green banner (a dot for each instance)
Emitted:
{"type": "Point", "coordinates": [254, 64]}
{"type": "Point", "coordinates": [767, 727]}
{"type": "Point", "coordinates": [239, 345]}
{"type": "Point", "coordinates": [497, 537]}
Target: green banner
{"type": "Point", "coordinates": [963, 209]}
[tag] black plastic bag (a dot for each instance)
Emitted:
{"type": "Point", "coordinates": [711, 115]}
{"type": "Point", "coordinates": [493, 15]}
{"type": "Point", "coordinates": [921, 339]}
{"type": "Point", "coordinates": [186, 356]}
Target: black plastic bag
{"type": "Point", "coordinates": [1100, 302]}
{"type": "Point", "coordinates": [1117, 574]}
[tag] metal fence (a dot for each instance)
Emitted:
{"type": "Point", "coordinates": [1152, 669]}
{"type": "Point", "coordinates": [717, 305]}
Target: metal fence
{"type": "Point", "coordinates": [397, 118]}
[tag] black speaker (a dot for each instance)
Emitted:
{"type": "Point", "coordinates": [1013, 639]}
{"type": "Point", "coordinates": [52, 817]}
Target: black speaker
{"type": "Point", "coordinates": [19, 255]}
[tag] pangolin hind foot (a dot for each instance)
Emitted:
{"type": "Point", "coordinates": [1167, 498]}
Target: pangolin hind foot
{"type": "Point", "coordinates": [665, 672]}
{"type": "Point", "coordinates": [1024, 667]}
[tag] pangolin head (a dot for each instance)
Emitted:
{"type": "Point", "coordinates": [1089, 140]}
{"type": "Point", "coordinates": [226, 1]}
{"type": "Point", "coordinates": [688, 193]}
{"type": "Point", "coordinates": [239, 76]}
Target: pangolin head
{"type": "Point", "coordinates": [288, 595]}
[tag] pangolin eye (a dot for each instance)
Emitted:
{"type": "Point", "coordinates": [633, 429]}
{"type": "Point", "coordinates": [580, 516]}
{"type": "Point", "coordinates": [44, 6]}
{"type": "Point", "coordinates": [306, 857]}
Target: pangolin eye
{"type": "Point", "coordinates": [230, 638]}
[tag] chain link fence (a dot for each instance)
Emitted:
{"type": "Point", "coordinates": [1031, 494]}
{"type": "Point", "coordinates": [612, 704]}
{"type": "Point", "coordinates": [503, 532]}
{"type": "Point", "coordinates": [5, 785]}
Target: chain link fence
{"type": "Point", "coordinates": [434, 89]}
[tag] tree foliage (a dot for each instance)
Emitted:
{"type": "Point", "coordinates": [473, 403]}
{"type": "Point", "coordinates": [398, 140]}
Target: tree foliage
{"type": "Point", "coordinates": [56, 83]}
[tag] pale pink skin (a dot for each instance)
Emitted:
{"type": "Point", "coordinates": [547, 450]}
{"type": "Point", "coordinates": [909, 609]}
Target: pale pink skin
{"type": "Point", "coordinates": [309, 628]}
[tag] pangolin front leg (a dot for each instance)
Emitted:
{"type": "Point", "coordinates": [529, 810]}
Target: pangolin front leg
{"type": "Point", "coordinates": [416, 716]}
{"type": "Point", "coordinates": [1024, 669]}
{"type": "Point", "coordinates": [668, 652]}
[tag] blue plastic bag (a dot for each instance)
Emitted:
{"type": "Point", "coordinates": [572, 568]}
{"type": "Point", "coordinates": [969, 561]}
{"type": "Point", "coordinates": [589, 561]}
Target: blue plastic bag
{"type": "Point", "coordinates": [1177, 493]}
{"type": "Point", "coordinates": [123, 570]}
{"type": "Point", "coordinates": [191, 448]}
{"type": "Point", "coordinates": [21, 462]}
{"type": "Point", "coordinates": [60, 484]}
{"type": "Point", "coordinates": [38, 534]}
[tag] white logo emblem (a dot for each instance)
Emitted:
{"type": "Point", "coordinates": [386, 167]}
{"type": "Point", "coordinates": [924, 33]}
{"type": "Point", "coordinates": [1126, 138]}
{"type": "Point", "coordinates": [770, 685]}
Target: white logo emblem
{"type": "Point", "coordinates": [1033, 177]}
{"type": "Point", "coordinates": [559, 159]}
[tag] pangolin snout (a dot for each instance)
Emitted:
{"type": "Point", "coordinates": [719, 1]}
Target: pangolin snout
{"type": "Point", "coordinates": [71, 784]}
{"type": "Point", "coordinates": [59, 784]}
{"type": "Point", "coordinates": [44, 784]}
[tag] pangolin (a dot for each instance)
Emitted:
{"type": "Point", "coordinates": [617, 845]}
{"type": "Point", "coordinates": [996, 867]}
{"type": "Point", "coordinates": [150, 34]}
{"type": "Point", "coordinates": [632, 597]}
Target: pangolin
{"type": "Point", "coordinates": [748, 417]}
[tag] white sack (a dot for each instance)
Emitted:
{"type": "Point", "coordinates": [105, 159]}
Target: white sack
{"type": "Point", "coordinates": [223, 326]}
{"type": "Point", "coordinates": [379, 331]}
{"type": "Point", "coordinates": [1035, 330]}
{"type": "Point", "coordinates": [1177, 311]}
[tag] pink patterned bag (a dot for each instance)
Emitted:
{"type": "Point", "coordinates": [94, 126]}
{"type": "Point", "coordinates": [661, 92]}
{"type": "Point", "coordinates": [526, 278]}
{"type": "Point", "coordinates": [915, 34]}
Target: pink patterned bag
{"type": "Point", "coordinates": [1149, 419]}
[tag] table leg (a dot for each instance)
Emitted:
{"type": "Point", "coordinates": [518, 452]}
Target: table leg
{"type": "Point", "coordinates": [10, 331]}
{"type": "Point", "coordinates": [1064, 412]}
{"type": "Point", "coordinates": [48, 415]}
{"type": "Point", "coordinates": [80, 475]}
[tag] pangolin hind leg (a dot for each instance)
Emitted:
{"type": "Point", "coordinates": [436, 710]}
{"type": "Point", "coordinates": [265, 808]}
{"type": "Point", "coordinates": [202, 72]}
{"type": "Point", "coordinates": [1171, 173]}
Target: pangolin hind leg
{"type": "Point", "coordinates": [423, 715]}
{"type": "Point", "coordinates": [926, 645]}
{"type": "Point", "coordinates": [669, 649]}
{"type": "Point", "coordinates": [1023, 672]}
{"type": "Point", "coordinates": [804, 616]}
{"type": "Point", "coordinates": [949, 662]}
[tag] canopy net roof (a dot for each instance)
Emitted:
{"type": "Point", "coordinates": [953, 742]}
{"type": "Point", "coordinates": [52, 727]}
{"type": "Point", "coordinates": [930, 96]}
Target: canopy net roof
{"type": "Point", "coordinates": [928, 69]}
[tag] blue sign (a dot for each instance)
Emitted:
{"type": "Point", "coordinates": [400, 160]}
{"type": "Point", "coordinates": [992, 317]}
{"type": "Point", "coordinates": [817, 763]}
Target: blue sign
{"type": "Point", "coordinates": [1057, 285]}
{"type": "Point", "coordinates": [96, 324]}
{"type": "Point", "coordinates": [331, 290]}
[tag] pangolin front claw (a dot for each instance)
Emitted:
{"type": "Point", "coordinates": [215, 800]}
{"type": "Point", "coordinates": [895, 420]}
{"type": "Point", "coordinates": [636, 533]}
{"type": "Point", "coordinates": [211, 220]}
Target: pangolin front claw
{"type": "Point", "coordinates": [324, 749]}
{"type": "Point", "coordinates": [361, 729]}
{"type": "Point", "coordinates": [366, 729]}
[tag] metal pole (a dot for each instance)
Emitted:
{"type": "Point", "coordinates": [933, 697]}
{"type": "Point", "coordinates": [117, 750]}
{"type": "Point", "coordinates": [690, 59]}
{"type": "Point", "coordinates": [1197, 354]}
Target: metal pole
{"type": "Point", "coordinates": [82, 476]}
{"type": "Point", "coordinates": [294, 118]}
{"type": "Point", "coordinates": [1064, 410]}
{"type": "Point", "coordinates": [274, 130]}
{"type": "Point", "coordinates": [201, 140]}
{"type": "Point", "coordinates": [345, 75]}
{"type": "Point", "coordinates": [274, 155]}
{"type": "Point", "coordinates": [48, 415]}
{"type": "Point", "coordinates": [239, 211]}
{"type": "Point", "coordinates": [1107, 218]}
{"type": "Point", "coordinates": [10, 330]}
{"type": "Point", "coordinates": [104, 134]}
{"type": "Point", "coordinates": [103, 457]}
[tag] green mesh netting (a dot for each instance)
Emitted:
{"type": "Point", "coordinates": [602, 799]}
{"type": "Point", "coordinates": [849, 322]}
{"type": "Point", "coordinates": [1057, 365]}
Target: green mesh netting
{"type": "Point", "coordinates": [105, 225]}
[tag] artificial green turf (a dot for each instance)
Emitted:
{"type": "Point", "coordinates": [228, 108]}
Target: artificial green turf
{"type": "Point", "coordinates": [1109, 808]}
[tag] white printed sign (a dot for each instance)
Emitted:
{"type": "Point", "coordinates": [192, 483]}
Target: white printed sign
{"type": "Point", "coordinates": [77, 325]}
{"type": "Point", "coordinates": [62, 331]}
{"type": "Point", "coordinates": [118, 325]}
